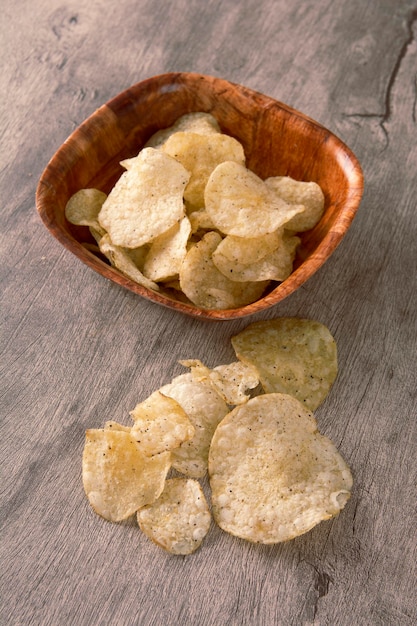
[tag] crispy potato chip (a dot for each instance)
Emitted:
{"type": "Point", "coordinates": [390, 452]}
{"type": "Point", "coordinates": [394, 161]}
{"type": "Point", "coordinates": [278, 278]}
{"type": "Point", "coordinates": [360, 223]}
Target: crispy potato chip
{"type": "Point", "coordinates": [204, 408]}
{"type": "Point", "coordinates": [200, 122]}
{"type": "Point", "coordinates": [308, 194]}
{"type": "Point", "coordinates": [247, 250]}
{"type": "Point", "coordinates": [232, 381]}
{"type": "Point", "coordinates": [274, 265]}
{"type": "Point", "coordinates": [118, 478]}
{"type": "Point", "coordinates": [293, 356]}
{"type": "Point", "coordinates": [97, 231]}
{"type": "Point", "coordinates": [112, 425]}
{"type": "Point", "coordinates": [146, 200]}
{"type": "Point", "coordinates": [167, 252]}
{"type": "Point", "coordinates": [200, 154]}
{"type": "Point", "coordinates": [160, 424]}
{"type": "Point", "coordinates": [121, 259]}
{"type": "Point", "coordinates": [200, 221]}
{"type": "Point", "coordinates": [241, 204]}
{"type": "Point", "coordinates": [206, 286]}
{"type": "Point", "coordinates": [180, 519]}
{"type": "Point", "coordinates": [84, 206]}
{"type": "Point", "coordinates": [273, 475]}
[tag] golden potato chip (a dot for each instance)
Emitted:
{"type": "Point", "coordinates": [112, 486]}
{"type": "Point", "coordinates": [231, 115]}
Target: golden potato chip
{"type": "Point", "coordinates": [274, 265]}
{"type": "Point", "coordinates": [118, 478]}
{"type": "Point", "coordinates": [146, 200]}
{"type": "Point", "coordinates": [206, 286]}
{"type": "Point", "coordinates": [199, 122]}
{"type": "Point", "coordinates": [180, 519]}
{"type": "Point", "coordinates": [247, 250]}
{"type": "Point", "coordinates": [309, 194]}
{"type": "Point", "coordinates": [293, 356]}
{"type": "Point", "coordinates": [242, 204]}
{"type": "Point", "coordinates": [200, 221]}
{"type": "Point", "coordinates": [204, 408]}
{"type": "Point", "coordinates": [97, 231]}
{"type": "Point", "coordinates": [273, 476]}
{"type": "Point", "coordinates": [160, 424]}
{"type": "Point", "coordinates": [84, 206]}
{"type": "Point", "coordinates": [167, 252]}
{"type": "Point", "coordinates": [232, 381]}
{"type": "Point", "coordinates": [112, 425]}
{"type": "Point", "coordinates": [121, 259]}
{"type": "Point", "coordinates": [200, 154]}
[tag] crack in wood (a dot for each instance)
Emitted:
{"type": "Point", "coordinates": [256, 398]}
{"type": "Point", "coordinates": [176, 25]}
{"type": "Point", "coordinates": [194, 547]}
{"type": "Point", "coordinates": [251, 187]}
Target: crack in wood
{"type": "Point", "coordinates": [385, 117]}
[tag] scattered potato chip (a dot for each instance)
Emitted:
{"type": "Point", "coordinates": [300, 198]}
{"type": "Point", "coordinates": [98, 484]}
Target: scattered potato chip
{"type": "Point", "coordinates": [84, 206]}
{"type": "Point", "coordinates": [146, 200]}
{"type": "Point", "coordinates": [112, 425]}
{"type": "Point", "coordinates": [180, 519]}
{"type": "Point", "coordinates": [200, 154]}
{"type": "Point", "coordinates": [232, 381]}
{"type": "Point", "coordinates": [206, 286]}
{"type": "Point", "coordinates": [275, 265]}
{"type": "Point", "coordinates": [309, 194]}
{"type": "Point", "coordinates": [293, 356]}
{"type": "Point", "coordinates": [121, 259]}
{"type": "Point", "coordinates": [273, 476]}
{"type": "Point", "coordinates": [160, 424]}
{"type": "Point", "coordinates": [204, 408]}
{"type": "Point", "coordinates": [199, 122]}
{"type": "Point", "coordinates": [241, 204]}
{"type": "Point", "coordinates": [118, 478]}
{"type": "Point", "coordinates": [167, 252]}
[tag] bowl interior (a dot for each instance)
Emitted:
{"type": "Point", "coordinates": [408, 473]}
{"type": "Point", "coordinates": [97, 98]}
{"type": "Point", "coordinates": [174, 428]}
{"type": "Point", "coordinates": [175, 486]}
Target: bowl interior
{"type": "Point", "coordinates": [278, 141]}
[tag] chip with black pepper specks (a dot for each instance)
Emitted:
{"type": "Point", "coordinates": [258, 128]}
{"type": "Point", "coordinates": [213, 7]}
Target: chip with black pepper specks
{"type": "Point", "coordinates": [292, 355]}
{"type": "Point", "coordinates": [273, 476]}
{"type": "Point", "coordinates": [180, 519]}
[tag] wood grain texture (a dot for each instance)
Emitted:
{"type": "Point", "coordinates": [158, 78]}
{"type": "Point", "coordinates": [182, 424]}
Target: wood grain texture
{"type": "Point", "coordinates": [78, 350]}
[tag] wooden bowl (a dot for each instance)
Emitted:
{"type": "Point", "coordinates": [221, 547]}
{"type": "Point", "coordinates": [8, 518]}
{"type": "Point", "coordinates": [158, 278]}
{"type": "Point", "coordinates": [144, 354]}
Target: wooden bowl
{"type": "Point", "coordinates": [277, 141]}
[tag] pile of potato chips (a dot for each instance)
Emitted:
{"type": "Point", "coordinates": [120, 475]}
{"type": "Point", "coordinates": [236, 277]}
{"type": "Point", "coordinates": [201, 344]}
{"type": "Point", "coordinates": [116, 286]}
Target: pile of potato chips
{"type": "Point", "coordinates": [188, 217]}
{"type": "Point", "coordinates": [272, 475]}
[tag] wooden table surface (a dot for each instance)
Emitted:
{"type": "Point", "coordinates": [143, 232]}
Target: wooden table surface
{"type": "Point", "coordinates": [78, 350]}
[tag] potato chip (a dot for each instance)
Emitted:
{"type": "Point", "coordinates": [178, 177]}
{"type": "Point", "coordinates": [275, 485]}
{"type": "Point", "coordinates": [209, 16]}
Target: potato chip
{"type": "Point", "coordinates": [167, 252]}
{"type": "Point", "coordinates": [121, 259]}
{"type": "Point", "coordinates": [160, 424]}
{"type": "Point", "coordinates": [293, 356]}
{"type": "Point", "coordinates": [247, 250]}
{"type": "Point", "coordinates": [84, 206]}
{"type": "Point", "coordinates": [200, 154]}
{"type": "Point", "coordinates": [204, 408]}
{"type": "Point", "coordinates": [273, 476]}
{"type": "Point", "coordinates": [275, 265]}
{"type": "Point", "coordinates": [180, 519]}
{"type": "Point", "coordinates": [199, 122]}
{"type": "Point", "coordinates": [241, 204]}
{"type": "Point", "coordinates": [200, 221]}
{"type": "Point", "coordinates": [206, 286]}
{"type": "Point", "coordinates": [112, 425]}
{"type": "Point", "coordinates": [146, 200]}
{"type": "Point", "coordinates": [309, 194]}
{"type": "Point", "coordinates": [118, 478]}
{"type": "Point", "coordinates": [97, 231]}
{"type": "Point", "coordinates": [232, 381]}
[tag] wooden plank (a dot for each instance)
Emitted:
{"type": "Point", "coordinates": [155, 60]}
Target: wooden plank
{"type": "Point", "coordinates": [78, 350]}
